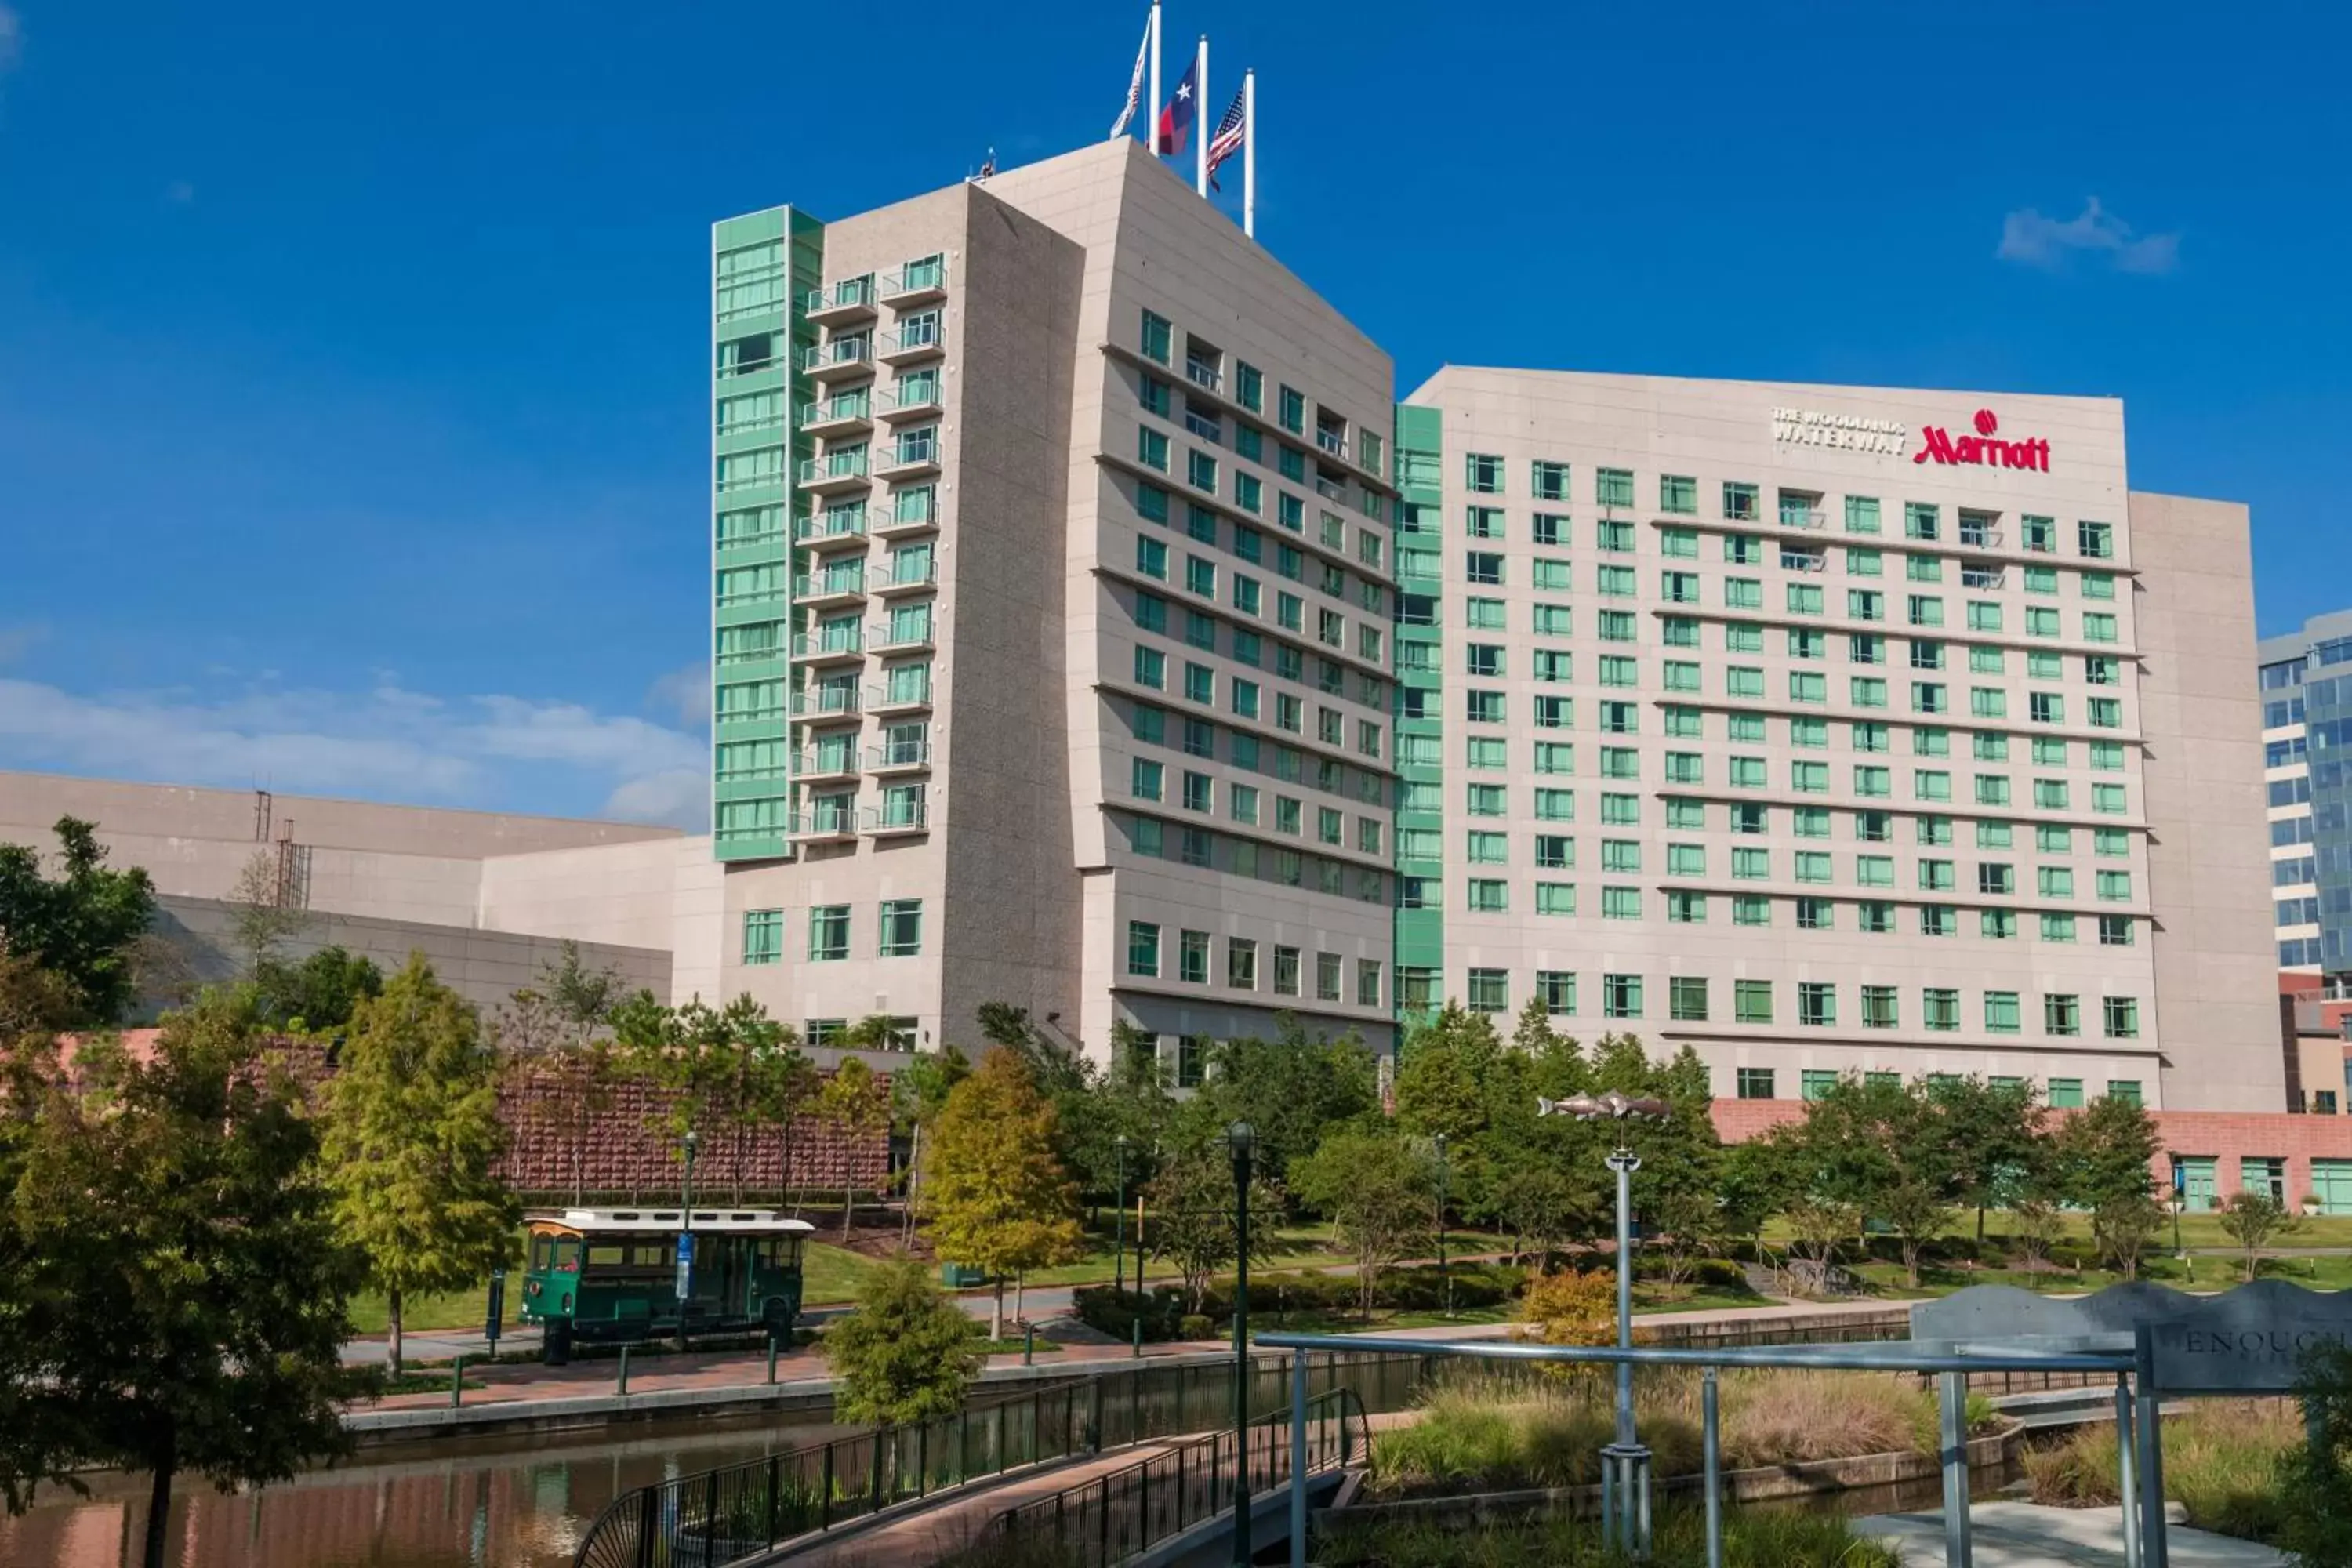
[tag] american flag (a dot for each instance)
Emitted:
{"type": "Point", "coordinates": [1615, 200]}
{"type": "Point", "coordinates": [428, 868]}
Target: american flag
{"type": "Point", "coordinates": [1231, 131]}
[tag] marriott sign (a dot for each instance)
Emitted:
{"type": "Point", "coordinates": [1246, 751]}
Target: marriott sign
{"type": "Point", "coordinates": [1985, 448]}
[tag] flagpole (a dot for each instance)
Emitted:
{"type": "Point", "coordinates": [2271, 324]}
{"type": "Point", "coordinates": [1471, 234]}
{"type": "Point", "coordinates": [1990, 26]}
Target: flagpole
{"type": "Point", "coordinates": [1201, 127]}
{"type": "Point", "coordinates": [1152, 107]}
{"type": "Point", "coordinates": [1249, 153]}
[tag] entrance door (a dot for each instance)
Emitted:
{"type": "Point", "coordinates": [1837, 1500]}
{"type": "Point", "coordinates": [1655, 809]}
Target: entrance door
{"type": "Point", "coordinates": [2202, 1187]}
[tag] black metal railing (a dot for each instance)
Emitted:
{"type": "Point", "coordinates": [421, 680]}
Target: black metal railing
{"type": "Point", "coordinates": [1106, 1521]}
{"type": "Point", "coordinates": [718, 1517]}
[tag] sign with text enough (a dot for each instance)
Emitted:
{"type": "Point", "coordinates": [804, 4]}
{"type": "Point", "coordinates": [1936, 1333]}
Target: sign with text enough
{"type": "Point", "coordinates": [2251, 1340]}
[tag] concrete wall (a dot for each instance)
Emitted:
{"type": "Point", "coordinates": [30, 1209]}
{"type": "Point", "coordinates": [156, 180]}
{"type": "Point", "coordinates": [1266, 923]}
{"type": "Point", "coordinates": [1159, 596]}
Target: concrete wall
{"type": "Point", "coordinates": [2208, 850]}
{"type": "Point", "coordinates": [485, 967]}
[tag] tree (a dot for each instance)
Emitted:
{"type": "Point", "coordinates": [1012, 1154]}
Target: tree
{"type": "Point", "coordinates": [85, 927]}
{"type": "Point", "coordinates": [319, 994]}
{"type": "Point", "coordinates": [1192, 1206]}
{"type": "Point", "coordinates": [1992, 1134]}
{"type": "Point", "coordinates": [997, 1197]}
{"type": "Point", "coordinates": [2101, 1164]}
{"type": "Point", "coordinates": [411, 1139]}
{"type": "Point", "coordinates": [2037, 1223]}
{"type": "Point", "coordinates": [2253, 1218]}
{"type": "Point", "coordinates": [1816, 1227]}
{"type": "Point", "coordinates": [1883, 1149]}
{"type": "Point", "coordinates": [181, 1284]}
{"type": "Point", "coordinates": [260, 920]}
{"type": "Point", "coordinates": [905, 1354]}
{"type": "Point", "coordinates": [856, 1107]}
{"type": "Point", "coordinates": [1376, 1188]}
{"type": "Point", "coordinates": [725, 1070]}
{"type": "Point", "coordinates": [918, 1092]}
{"type": "Point", "coordinates": [2313, 1481]}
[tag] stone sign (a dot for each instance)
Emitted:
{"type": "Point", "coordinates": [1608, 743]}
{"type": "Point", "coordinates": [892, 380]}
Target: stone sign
{"type": "Point", "coordinates": [2246, 1340]}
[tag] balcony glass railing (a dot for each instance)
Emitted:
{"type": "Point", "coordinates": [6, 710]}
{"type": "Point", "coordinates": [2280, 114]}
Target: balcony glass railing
{"type": "Point", "coordinates": [827, 699]}
{"type": "Point", "coordinates": [1974, 537]}
{"type": "Point", "coordinates": [827, 410]}
{"type": "Point", "coordinates": [898, 813]}
{"type": "Point", "coordinates": [900, 693]}
{"type": "Point", "coordinates": [833, 523]}
{"type": "Point", "coordinates": [1802, 517]}
{"type": "Point", "coordinates": [1971, 578]}
{"type": "Point", "coordinates": [914, 337]}
{"type": "Point", "coordinates": [916, 277]}
{"type": "Point", "coordinates": [1206, 428]}
{"type": "Point", "coordinates": [919, 448]}
{"type": "Point", "coordinates": [829, 583]}
{"type": "Point", "coordinates": [914, 391]}
{"type": "Point", "coordinates": [913, 509]}
{"type": "Point", "coordinates": [839, 350]}
{"type": "Point", "coordinates": [1200, 374]}
{"type": "Point", "coordinates": [902, 755]}
{"type": "Point", "coordinates": [1332, 442]}
{"type": "Point", "coordinates": [828, 640]}
{"type": "Point", "coordinates": [1328, 490]}
{"type": "Point", "coordinates": [849, 465]}
{"type": "Point", "coordinates": [825, 760]}
{"type": "Point", "coordinates": [848, 293]}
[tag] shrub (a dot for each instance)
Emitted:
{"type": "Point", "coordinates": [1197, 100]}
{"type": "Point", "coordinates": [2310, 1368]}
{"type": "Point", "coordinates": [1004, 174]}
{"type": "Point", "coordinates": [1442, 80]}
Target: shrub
{"type": "Point", "coordinates": [1116, 1313]}
{"type": "Point", "coordinates": [2221, 1463]}
{"type": "Point", "coordinates": [905, 1353]}
{"type": "Point", "coordinates": [1196, 1326]}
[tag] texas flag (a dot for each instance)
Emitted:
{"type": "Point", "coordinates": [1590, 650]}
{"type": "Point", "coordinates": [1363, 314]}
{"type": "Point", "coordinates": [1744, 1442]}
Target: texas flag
{"type": "Point", "coordinates": [1176, 118]}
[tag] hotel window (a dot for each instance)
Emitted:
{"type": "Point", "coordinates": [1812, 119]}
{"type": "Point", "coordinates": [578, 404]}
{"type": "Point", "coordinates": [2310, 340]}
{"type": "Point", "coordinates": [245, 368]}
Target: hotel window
{"type": "Point", "coordinates": [1939, 1008]}
{"type": "Point", "coordinates": [2001, 1013]}
{"type": "Point", "coordinates": [763, 936]}
{"type": "Point", "coordinates": [1484, 523]}
{"type": "Point", "coordinates": [1621, 903]}
{"type": "Point", "coordinates": [2096, 540]}
{"type": "Point", "coordinates": [1548, 481]}
{"type": "Point", "coordinates": [1557, 987]}
{"type": "Point", "coordinates": [1614, 487]}
{"type": "Point", "coordinates": [1555, 852]}
{"type": "Point", "coordinates": [828, 933]}
{"type": "Point", "coordinates": [1291, 412]}
{"type": "Point", "coordinates": [2120, 1017]}
{"type": "Point", "coordinates": [1743, 594]}
{"type": "Point", "coordinates": [1677, 493]}
{"type": "Point", "coordinates": [1687, 999]}
{"type": "Point", "coordinates": [1748, 909]}
{"type": "Point", "coordinates": [1367, 983]}
{"type": "Point", "coordinates": [1555, 806]}
{"type": "Point", "coordinates": [2114, 887]}
{"type": "Point", "coordinates": [1683, 859]}
{"type": "Point", "coordinates": [1686, 908]}
{"type": "Point", "coordinates": [1151, 450]}
{"type": "Point", "coordinates": [1192, 957]}
{"type": "Point", "coordinates": [1739, 502]}
{"type": "Point", "coordinates": [1919, 520]}
{"type": "Point", "coordinates": [1755, 1083]}
{"type": "Point", "coordinates": [1879, 1007]}
{"type": "Point", "coordinates": [1613, 536]}
{"type": "Point", "coordinates": [1621, 995]}
{"type": "Point", "coordinates": [1488, 896]}
{"type": "Point", "coordinates": [902, 928]}
{"type": "Point", "coordinates": [1156, 337]}
{"type": "Point", "coordinates": [1862, 514]}
{"type": "Point", "coordinates": [2062, 1013]}
{"type": "Point", "coordinates": [1555, 898]}
{"type": "Point", "coordinates": [1483, 473]}
{"type": "Point", "coordinates": [1484, 614]}
{"type": "Point", "coordinates": [1489, 991]}
{"type": "Point", "coordinates": [1550, 529]}
{"type": "Point", "coordinates": [2114, 931]}
{"type": "Point", "coordinates": [2065, 1094]}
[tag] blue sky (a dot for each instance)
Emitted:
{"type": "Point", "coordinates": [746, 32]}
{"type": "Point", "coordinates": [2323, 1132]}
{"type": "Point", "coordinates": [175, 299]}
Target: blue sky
{"type": "Point", "coordinates": [353, 424]}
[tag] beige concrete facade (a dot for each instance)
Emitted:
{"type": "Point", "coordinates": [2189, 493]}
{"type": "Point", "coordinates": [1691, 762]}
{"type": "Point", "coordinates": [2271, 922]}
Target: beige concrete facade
{"type": "Point", "coordinates": [1031, 870]}
{"type": "Point", "coordinates": [487, 897]}
{"type": "Point", "coordinates": [1907, 731]}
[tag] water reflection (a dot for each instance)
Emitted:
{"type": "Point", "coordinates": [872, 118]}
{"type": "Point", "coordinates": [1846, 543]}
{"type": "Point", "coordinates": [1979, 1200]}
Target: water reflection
{"type": "Point", "coordinates": [483, 1503]}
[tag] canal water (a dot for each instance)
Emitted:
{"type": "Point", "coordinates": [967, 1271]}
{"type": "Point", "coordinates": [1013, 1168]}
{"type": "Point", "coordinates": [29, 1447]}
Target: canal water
{"type": "Point", "coordinates": [518, 1502]}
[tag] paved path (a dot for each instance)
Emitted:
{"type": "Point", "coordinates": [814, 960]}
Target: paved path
{"type": "Point", "coordinates": [2026, 1535]}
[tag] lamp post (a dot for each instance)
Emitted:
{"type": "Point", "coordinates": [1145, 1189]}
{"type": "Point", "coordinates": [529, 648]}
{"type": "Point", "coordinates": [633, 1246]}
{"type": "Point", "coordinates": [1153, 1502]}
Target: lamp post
{"type": "Point", "coordinates": [2178, 1201]}
{"type": "Point", "coordinates": [1118, 1246]}
{"type": "Point", "coordinates": [1625, 1462]}
{"type": "Point", "coordinates": [686, 1236]}
{"type": "Point", "coordinates": [1240, 1140]}
{"type": "Point", "coordinates": [1445, 1276]}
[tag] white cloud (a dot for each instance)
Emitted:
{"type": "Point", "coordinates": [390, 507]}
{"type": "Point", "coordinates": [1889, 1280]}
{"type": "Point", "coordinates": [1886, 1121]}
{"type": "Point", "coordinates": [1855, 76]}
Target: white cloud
{"type": "Point", "coordinates": [2028, 238]}
{"type": "Point", "coordinates": [686, 693]}
{"type": "Point", "coordinates": [386, 743]}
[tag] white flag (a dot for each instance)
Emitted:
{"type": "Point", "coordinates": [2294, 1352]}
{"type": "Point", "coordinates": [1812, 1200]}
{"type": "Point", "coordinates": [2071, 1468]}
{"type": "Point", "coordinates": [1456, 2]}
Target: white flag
{"type": "Point", "coordinates": [1134, 86]}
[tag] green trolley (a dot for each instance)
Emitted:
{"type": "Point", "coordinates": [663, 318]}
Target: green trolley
{"type": "Point", "coordinates": [612, 1275]}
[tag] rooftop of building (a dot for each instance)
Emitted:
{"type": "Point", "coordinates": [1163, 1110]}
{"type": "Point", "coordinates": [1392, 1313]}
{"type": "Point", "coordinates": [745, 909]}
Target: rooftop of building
{"type": "Point", "coordinates": [2290, 647]}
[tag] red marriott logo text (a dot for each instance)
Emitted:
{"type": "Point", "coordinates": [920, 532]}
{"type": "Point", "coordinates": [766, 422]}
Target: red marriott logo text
{"type": "Point", "coordinates": [1985, 448]}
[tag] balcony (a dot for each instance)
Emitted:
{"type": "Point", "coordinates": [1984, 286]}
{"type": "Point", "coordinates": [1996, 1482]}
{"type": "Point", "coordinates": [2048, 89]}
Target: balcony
{"type": "Point", "coordinates": [1803, 561]}
{"type": "Point", "coordinates": [898, 578]}
{"type": "Point", "coordinates": [834, 824]}
{"type": "Point", "coordinates": [837, 762]}
{"type": "Point", "coordinates": [911, 699]}
{"type": "Point", "coordinates": [1804, 517]}
{"type": "Point", "coordinates": [910, 514]}
{"type": "Point", "coordinates": [839, 359]}
{"type": "Point", "coordinates": [836, 527]}
{"type": "Point", "coordinates": [917, 283]}
{"type": "Point", "coordinates": [1979, 535]}
{"type": "Point", "coordinates": [915, 456]}
{"type": "Point", "coordinates": [844, 645]}
{"type": "Point", "coordinates": [1328, 490]}
{"type": "Point", "coordinates": [900, 757]}
{"type": "Point", "coordinates": [911, 399]}
{"type": "Point", "coordinates": [847, 301]}
{"type": "Point", "coordinates": [826, 704]}
{"type": "Point", "coordinates": [1331, 441]}
{"type": "Point", "coordinates": [897, 818]}
{"type": "Point", "coordinates": [815, 591]}
{"type": "Point", "coordinates": [915, 342]}
{"type": "Point", "coordinates": [882, 640]}
{"type": "Point", "coordinates": [1202, 373]}
{"type": "Point", "coordinates": [836, 472]}
{"type": "Point", "coordinates": [1983, 576]}
{"type": "Point", "coordinates": [845, 414]}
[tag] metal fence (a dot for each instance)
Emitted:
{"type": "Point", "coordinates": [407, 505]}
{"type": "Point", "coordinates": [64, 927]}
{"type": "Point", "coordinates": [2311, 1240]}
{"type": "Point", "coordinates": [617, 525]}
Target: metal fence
{"type": "Point", "coordinates": [718, 1517]}
{"type": "Point", "coordinates": [1106, 1521]}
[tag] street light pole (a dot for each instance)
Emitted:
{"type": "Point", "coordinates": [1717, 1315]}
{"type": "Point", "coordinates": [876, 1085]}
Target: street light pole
{"type": "Point", "coordinates": [1445, 1275]}
{"type": "Point", "coordinates": [1241, 1139]}
{"type": "Point", "coordinates": [1625, 1462]}
{"type": "Point", "coordinates": [686, 1237]}
{"type": "Point", "coordinates": [1118, 1247]}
